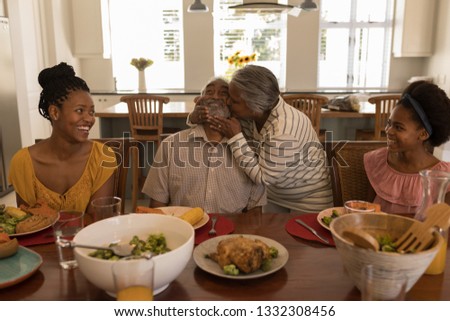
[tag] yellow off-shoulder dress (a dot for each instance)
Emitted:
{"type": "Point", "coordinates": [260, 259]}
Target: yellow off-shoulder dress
{"type": "Point", "coordinates": [99, 168]}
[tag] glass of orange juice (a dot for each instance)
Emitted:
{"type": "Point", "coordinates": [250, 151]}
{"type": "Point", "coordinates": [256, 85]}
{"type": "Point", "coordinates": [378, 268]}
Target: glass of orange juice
{"type": "Point", "coordinates": [133, 279]}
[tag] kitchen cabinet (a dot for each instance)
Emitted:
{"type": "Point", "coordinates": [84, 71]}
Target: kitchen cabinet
{"type": "Point", "coordinates": [413, 28]}
{"type": "Point", "coordinates": [91, 30]}
{"type": "Point", "coordinates": [102, 102]}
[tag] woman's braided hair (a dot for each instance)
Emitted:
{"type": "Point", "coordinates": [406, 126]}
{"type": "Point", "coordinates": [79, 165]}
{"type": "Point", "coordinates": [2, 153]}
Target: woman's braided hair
{"type": "Point", "coordinates": [57, 82]}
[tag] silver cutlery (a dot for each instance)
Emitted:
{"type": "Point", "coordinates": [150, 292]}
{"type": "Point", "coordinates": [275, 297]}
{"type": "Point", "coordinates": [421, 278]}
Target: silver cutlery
{"type": "Point", "coordinates": [122, 250]}
{"type": "Point", "coordinates": [212, 231]}
{"type": "Point", "coordinates": [309, 228]}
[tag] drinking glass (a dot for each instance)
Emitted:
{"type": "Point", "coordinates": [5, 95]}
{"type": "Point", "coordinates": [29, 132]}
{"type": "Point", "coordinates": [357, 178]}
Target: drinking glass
{"type": "Point", "coordinates": [65, 228]}
{"type": "Point", "coordinates": [382, 284]}
{"type": "Point", "coordinates": [133, 279]}
{"type": "Point", "coordinates": [105, 207]}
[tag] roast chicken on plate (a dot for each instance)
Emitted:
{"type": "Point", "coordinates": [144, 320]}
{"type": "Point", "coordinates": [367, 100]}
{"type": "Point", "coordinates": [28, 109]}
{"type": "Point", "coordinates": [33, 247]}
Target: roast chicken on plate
{"type": "Point", "coordinates": [247, 254]}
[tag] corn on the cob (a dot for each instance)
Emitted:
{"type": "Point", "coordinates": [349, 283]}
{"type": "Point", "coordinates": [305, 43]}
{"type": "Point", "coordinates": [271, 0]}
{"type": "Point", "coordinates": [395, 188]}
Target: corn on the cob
{"type": "Point", "coordinates": [15, 212]}
{"type": "Point", "coordinates": [193, 216]}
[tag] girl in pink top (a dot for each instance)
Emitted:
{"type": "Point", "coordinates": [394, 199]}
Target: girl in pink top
{"type": "Point", "coordinates": [419, 122]}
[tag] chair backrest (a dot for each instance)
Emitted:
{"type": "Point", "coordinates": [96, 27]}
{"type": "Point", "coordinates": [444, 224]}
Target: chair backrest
{"type": "Point", "coordinates": [348, 176]}
{"type": "Point", "coordinates": [121, 148]}
{"type": "Point", "coordinates": [309, 104]}
{"type": "Point", "coordinates": [145, 113]}
{"type": "Point", "coordinates": [383, 107]}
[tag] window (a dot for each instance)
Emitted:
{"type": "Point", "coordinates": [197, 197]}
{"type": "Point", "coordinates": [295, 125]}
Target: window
{"type": "Point", "coordinates": [264, 34]}
{"type": "Point", "coordinates": [355, 43]}
{"type": "Point", "coordinates": [149, 29]}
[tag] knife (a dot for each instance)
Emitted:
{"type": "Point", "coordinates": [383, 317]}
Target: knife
{"type": "Point", "coordinates": [313, 231]}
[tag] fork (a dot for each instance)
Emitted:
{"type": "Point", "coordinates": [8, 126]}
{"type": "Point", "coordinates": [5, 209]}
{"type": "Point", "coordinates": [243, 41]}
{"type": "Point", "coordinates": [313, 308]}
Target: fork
{"type": "Point", "coordinates": [212, 231]}
{"type": "Point", "coordinates": [419, 236]}
{"type": "Point", "coordinates": [122, 250]}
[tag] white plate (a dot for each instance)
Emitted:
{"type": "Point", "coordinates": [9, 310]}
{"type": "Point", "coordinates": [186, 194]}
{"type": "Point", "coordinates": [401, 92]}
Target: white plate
{"type": "Point", "coordinates": [20, 266]}
{"type": "Point", "coordinates": [34, 231]}
{"type": "Point", "coordinates": [177, 211]}
{"type": "Point", "coordinates": [328, 212]}
{"type": "Point", "coordinates": [210, 266]}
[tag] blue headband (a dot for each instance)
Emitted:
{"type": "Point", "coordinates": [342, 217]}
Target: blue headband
{"type": "Point", "coordinates": [420, 112]}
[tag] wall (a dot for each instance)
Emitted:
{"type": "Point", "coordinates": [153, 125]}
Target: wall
{"type": "Point", "coordinates": [3, 8]}
{"type": "Point", "coordinates": [41, 37]}
{"type": "Point", "coordinates": [439, 64]}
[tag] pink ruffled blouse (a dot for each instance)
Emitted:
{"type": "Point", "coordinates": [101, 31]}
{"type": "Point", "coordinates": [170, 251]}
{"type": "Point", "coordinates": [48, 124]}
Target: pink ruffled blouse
{"type": "Point", "coordinates": [397, 192]}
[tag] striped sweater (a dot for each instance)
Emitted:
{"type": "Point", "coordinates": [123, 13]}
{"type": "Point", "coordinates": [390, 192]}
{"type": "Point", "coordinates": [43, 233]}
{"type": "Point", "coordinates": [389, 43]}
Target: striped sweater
{"type": "Point", "coordinates": [287, 157]}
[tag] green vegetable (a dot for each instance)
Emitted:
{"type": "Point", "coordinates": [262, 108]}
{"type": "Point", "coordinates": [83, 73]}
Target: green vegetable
{"type": "Point", "coordinates": [8, 228]}
{"type": "Point", "coordinates": [273, 252]}
{"type": "Point", "coordinates": [8, 223]}
{"type": "Point", "coordinates": [266, 265]}
{"type": "Point", "coordinates": [327, 219]}
{"type": "Point", "coordinates": [231, 269]}
{"type": "Point", "coordinates": [155, 243]}
{"type": "Point", "coordinates": [386, 243]}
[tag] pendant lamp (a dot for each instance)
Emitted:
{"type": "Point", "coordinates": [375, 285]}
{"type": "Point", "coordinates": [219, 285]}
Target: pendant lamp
{"type": "Point", "coordinates": [197, 6]}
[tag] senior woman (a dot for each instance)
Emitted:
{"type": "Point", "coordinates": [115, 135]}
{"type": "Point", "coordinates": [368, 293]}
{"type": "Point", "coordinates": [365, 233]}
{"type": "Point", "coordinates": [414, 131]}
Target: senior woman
{"type": "Point", "coordinates": [274, 143]}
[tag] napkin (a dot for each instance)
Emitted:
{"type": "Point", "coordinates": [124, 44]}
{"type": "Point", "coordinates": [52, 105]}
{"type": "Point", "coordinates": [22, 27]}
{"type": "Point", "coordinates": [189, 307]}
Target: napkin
{"type": "Point", "coordinates": [42, 237]}
{"type": "Point", "coordinates": [223, 226]}
{"type": "Point", "coordinates": [295, 229]}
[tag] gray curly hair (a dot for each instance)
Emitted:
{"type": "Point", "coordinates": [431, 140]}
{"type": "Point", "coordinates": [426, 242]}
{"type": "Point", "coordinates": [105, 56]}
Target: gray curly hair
{"type": "Point", "coordinates": [258, 87]}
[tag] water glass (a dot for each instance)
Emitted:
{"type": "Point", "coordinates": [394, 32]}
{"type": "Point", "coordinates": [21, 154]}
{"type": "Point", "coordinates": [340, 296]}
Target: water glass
{"type": "Point", "coordinates": [69, 223]}
{"type": "Point", "coordinates": [106, 207]}
{"type": "Point", "coordinates": [382, 284]}
{"type": "Point", "coordinates": [133, 279]}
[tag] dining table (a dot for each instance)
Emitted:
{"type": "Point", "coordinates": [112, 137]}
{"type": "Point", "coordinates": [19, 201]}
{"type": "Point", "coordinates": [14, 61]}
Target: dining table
{"type": "Point", "coordinates": [313, 272]}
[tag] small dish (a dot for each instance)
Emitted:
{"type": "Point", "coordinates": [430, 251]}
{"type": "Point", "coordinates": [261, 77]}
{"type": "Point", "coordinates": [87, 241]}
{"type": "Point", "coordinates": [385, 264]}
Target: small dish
{"type": "Point", "coordinates": [327, 213]}
{"type": "Point", "coordinates": [210, 246]}
{"type": "Point", "coordinates": [177, 211]}
{"type": "Point", "coordinates": [19, 267]}
{"type": "Point", "coordinates": [355, 206]}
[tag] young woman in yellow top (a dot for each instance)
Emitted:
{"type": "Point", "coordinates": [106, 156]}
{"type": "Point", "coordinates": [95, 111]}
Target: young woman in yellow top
{"type": "Point", "coordinates": [65, 170]}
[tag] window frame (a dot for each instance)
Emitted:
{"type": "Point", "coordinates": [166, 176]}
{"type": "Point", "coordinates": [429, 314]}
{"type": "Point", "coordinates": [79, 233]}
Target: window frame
{"type": "Point", "coordinates": [352, 26]}
{"type": "Point", "coordinates": [221, 67]}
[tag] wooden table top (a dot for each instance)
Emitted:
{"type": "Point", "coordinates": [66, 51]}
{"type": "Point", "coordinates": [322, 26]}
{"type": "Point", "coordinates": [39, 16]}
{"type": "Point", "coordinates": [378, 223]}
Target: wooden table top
{"type": "Point", "coordinates": [181, 109]}
{"type": "Point", "coordinates": [313, 272]}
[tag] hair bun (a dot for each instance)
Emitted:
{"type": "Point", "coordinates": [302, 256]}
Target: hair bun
{"type": "Point", "coordinates": [49, 75]}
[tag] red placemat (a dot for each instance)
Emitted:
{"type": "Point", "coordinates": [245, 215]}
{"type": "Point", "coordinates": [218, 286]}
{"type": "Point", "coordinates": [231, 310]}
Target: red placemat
{"type": "Point", "coordinates": [295, 229]}
{"type": "Point", "coordinates": [223, 226]}
{"type": "Point", "coordinates": [41, 237]}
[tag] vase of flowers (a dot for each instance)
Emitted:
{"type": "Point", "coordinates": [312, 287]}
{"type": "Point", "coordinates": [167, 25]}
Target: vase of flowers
{"type": "Point", "coordinates": [141, 64]}
{"type": "Point", "coordinates": [237, 61]}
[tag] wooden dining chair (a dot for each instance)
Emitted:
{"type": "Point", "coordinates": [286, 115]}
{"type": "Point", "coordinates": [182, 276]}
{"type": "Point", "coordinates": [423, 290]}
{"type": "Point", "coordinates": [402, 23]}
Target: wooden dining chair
{"type": "Point", "coordinates": [311, 105]}
{"type": "Point", "coordinates": [121, 148]}
{"type": "Point", "coordinates": [383, 107]}
{"type": "Point", "coordinates": [348, 176]}
{"type": "Point", "coordinates": [145, 113]}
